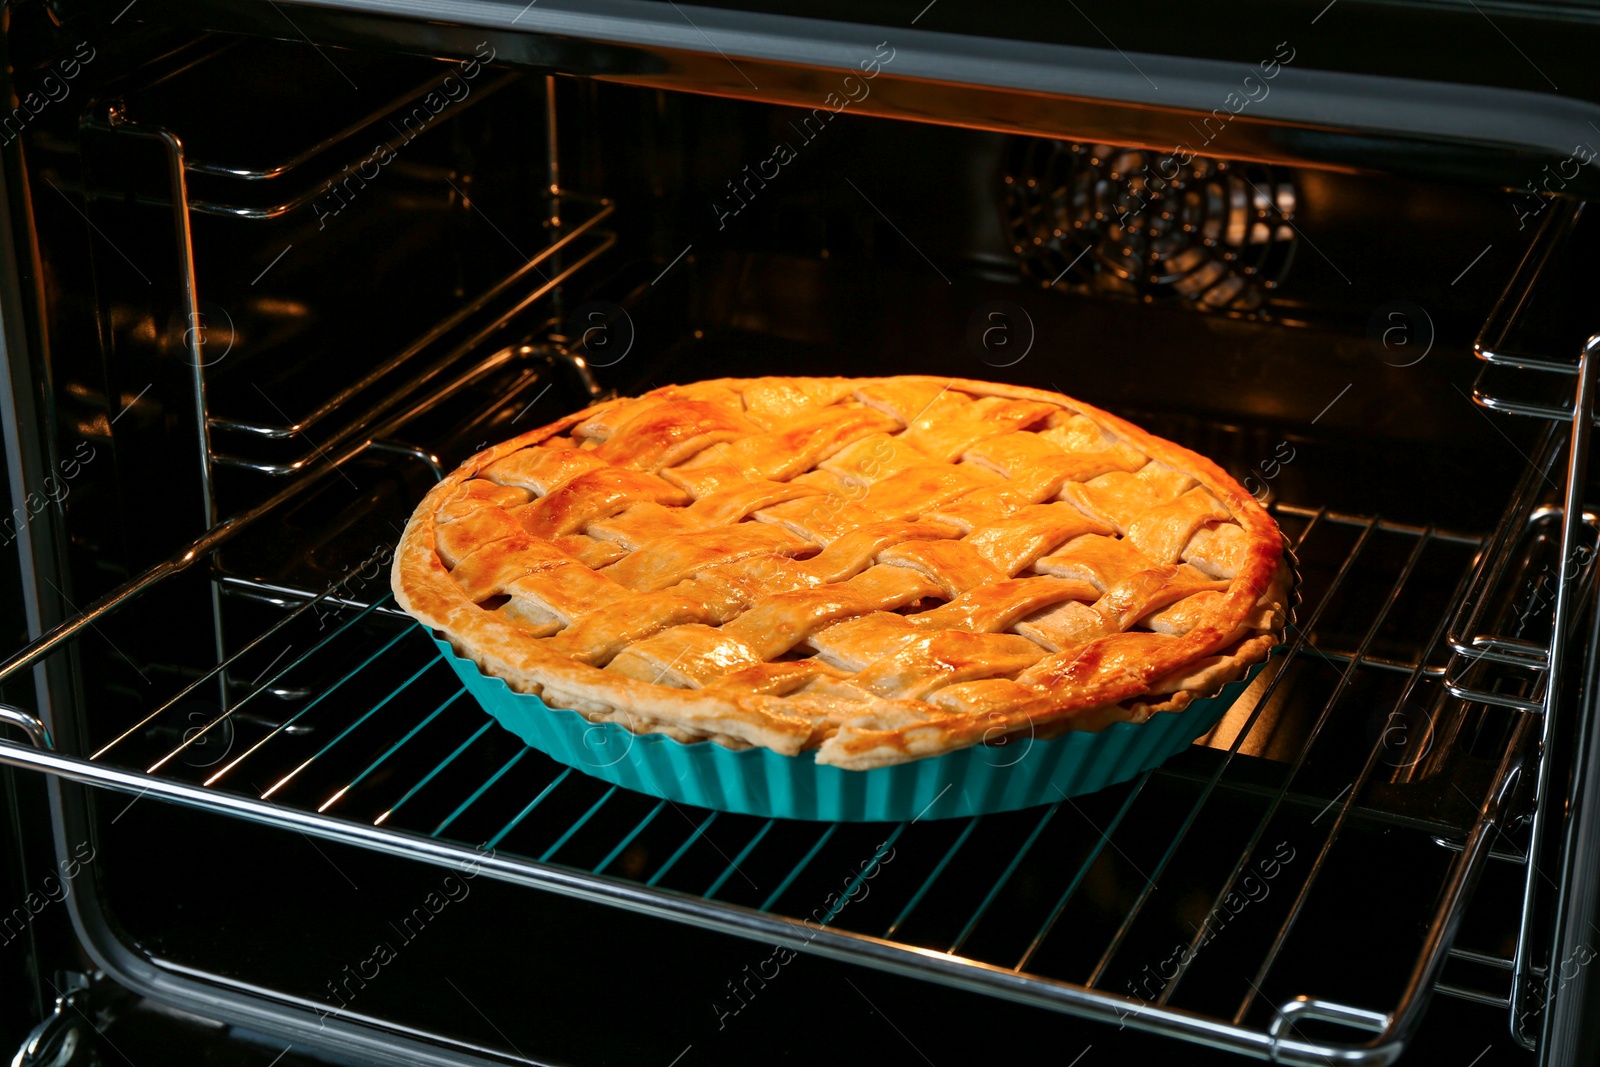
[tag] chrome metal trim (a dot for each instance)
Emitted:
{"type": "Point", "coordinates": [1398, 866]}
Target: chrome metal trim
{"type": "Point", "coordinates": [1487, 999]}
{"type": "Point", "coordinates": [1579, 882]}
{"type": "Point", "coordinates": [1470, 645]}
{"type": "Point", "coordinates": [294, 203]}
{"type": "Point", "coordinates": [30, 724]}
{"type": "Point", "coordinates": [1543, 800]}
{"type": "Point", "coordinates": [1509, 306]}
{"type": "Point", "coordinates": [278, 170]}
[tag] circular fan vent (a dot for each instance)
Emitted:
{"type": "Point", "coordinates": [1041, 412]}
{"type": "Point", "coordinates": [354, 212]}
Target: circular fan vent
{"type": "Point", "coordinates": [1211, 232]}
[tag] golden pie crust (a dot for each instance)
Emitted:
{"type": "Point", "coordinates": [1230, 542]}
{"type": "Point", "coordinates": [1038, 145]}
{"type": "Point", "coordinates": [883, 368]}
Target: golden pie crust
{"type": "Point", "coordinates": [879, 569]}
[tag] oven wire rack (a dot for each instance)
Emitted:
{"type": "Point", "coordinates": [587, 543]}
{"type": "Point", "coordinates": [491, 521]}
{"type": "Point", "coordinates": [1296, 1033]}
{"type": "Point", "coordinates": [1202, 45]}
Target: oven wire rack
{"type": "Point", "coordinates": [392, 829]}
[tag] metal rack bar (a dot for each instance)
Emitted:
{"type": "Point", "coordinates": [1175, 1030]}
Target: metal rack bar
{"type": "Point", "coordinates": [38, 733]}
{"type": "Point", "coordinates": [1499, 963]}
{"type": "Point", "coordinates": [1005, 876]}
{"type": "Point", "coordinates": [391, 750]}
{"type": "Point", "coordinates": [672, 861]}
{"type": "Point", "coordinates": [1340, 518]}
{"type": "Point", "coordinates": [1503, 700]}
{"type": "Point", "coordinates": [579, 825]}
{"type": "Point", "coordinates": [628, 840]}
{"type": "Point", "coordinates": [1494, 854]}
{"type": "Point", "coordinates": [431, 775]}
{"type": "Point", "coordinates": [1083, 870]}
{"type": "Point", "coordinates": [287, 596]}
{"type": "Point", "coordinates": [933, 876]}
{"type": "Point", "coordinates": [805, 861]}
{"type": "Point", "coordinates": [478, 792]}
{"type": "Point", "coordinates": [1342, 819]}
{"type": "Point", "coordinates": [733, 864]}
{"type": "Point", "coordinates": [861, 875]}
{"type": "Point", "coordinates": [538, 799]}
{"type": "Point", "coordinates": [342, 734]}
{"type": "Point", "coordinates": [1378, 662]}
{"type": "Point", "coordinates": [1487, 999]}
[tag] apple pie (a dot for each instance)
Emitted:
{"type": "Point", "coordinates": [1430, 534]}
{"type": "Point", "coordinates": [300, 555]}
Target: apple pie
{"type": "Point", "coordinates": [877, 569]}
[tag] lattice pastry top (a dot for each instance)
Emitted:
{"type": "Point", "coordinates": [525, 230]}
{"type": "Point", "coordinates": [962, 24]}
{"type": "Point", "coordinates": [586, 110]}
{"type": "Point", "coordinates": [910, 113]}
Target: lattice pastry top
{"type": "Point", "coordinates": [880, 569]}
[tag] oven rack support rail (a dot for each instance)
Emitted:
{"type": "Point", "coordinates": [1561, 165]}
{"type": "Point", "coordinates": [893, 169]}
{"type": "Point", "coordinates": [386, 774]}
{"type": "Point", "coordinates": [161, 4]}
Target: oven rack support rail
{"type": "Point", "coordinates": [575, 242]}
{"type": "Point", "coordinates": [1576, 545]}
{"type": "Point", "coordinates": [1277, 1041]}
{"type": "Point", "coordinates": [1476, 651]}
{"type": "Point", "coordinates": [457, 352]}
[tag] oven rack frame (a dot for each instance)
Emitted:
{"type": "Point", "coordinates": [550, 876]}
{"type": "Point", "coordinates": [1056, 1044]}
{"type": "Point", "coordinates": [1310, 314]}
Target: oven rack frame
{"type": "Point", "coordinates": [1276, 1042]}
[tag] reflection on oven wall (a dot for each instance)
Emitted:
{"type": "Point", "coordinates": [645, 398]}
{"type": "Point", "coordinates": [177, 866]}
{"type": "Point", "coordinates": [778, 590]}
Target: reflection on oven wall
{"type": "Point", "coordinates": [343, 271]}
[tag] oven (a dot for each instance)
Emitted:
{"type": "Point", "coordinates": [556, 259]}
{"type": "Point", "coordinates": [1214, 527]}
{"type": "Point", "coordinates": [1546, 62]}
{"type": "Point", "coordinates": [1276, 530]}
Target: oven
{"type": "Point", "coordinates": [270, 270]}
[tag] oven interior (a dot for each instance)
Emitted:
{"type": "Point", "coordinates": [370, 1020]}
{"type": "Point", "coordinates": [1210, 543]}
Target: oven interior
{"type": "Point", "coordinates": [299, 283]}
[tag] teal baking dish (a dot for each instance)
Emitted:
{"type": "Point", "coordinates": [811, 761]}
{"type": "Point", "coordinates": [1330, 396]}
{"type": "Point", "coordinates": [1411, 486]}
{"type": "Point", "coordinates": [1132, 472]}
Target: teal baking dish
{"type": "Point", "coordinates": [1021, 773]}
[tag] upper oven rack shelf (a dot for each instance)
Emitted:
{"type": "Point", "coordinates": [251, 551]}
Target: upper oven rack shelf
{"type": "Point", "coordinates": [548, 827]}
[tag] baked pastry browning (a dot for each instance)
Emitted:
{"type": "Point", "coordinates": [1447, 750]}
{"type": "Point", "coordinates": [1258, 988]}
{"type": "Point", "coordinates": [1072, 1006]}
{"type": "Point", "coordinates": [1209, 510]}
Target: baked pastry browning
{"type": "Point", "coordinates": [879, 569]}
